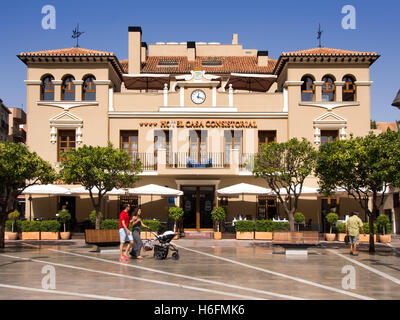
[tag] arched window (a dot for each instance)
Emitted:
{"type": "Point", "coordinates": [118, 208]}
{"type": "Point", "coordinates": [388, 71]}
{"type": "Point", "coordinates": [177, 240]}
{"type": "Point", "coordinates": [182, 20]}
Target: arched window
{"type": "Point", "coordinates": [68, 89]}
{"type": "Point", "coordinates": [307, 89]}
{"type": "Point", "coordinates": [349, 88]}
{"type": "Point", "coordinates": [89, 89]}
{"type": "Point", "coordinates": [328, 89]}
{"type": "Point", "coordinates": [47, 89]}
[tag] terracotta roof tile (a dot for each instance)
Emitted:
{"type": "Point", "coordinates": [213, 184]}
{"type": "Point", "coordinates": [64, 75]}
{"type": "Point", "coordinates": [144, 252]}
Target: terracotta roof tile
{"type": "Point", "coordinates": [327, 52]}
{"type": "Point", "coordinates": [229, 64]}
{"type": "Point", "coordinates": [68, 52]}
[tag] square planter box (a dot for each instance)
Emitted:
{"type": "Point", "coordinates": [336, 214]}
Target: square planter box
{"type": "Point", "coordinates": [30, 235]}
{"type": "Point", "coordinates": [341, 236]}
{"type": "Point", "coordinates": [100, 236]}
{"type": "Point", "coordinates": [245, 235]}
{"type": "Point", "coordinates": [263, 235]}
{"type": "Point", "coordinates": [11, 236]}
{"type": "Point", "coordinates": [49, 236]}
{"type": "Point", "coordinates": [145, 235]}
{"type": "Point", "coordinates": [365, 237]}
{"type": "Point", "coordinates": [385, 238]}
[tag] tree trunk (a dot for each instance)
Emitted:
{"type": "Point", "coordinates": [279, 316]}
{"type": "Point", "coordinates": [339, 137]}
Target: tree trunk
{"type": "Point", "coordinates": [291, 219]}
{"type": "Point", "coordinates": [3, 218]}
{"type": "Point", "coordinates": [98, 218]}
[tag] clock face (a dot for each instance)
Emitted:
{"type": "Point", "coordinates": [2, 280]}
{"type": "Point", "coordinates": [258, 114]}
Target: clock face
{"type": "Point", "coordinates": [198, 96]}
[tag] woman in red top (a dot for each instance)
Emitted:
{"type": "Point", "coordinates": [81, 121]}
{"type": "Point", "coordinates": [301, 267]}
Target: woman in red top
{"type": "Point", "coordinates": [124, 233]}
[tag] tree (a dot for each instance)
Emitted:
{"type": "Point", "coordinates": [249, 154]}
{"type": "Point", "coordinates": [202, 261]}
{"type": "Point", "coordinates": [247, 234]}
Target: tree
{"type": "Point", "coordinates": [286, 166]}
{"type": "Point", "coordinates": [19, 169]}
{"type": "Point", "coordinates": [99, 170]}
{"type": "Point", "coordinates": [365, 167]}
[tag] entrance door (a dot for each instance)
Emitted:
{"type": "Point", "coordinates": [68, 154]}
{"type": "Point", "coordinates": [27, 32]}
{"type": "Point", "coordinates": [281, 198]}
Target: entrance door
{"type": "Point", "coordinates": [198, 203]}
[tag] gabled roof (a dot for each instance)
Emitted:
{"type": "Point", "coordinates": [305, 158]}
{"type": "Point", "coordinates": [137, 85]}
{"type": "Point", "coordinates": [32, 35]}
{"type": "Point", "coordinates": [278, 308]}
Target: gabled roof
{"type": "Point", "coordinates": [68, 52]}
{"type": "Point", "coordinates": [328, 52]}
{"type": "Point", "coordinates": [319, 54]}
{"type": "Point", "coordinates": [72, 55]}
{"type": "Point", "coordinates": [238, 64]}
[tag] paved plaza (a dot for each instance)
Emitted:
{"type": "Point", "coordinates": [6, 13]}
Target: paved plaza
{"type": "Point", "coordinates": [207, 270]}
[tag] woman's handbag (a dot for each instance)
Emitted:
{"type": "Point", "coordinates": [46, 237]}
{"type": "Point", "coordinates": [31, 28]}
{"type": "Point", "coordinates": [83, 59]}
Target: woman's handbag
{"type": "Point", "coordinates": [347, 239]}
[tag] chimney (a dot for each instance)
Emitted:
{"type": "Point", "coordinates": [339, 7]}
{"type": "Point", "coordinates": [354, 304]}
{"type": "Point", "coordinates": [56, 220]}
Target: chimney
{"type": "Point", "coordinates": [191, 50]}
{"type": "Point", "coordinates": [135, 41]}
{"type": "Point", "coordinates": [262, 57]}
{"type": "Point", "coordinates": [235, 38]}
{"type": "Point", "coordinates": [144, 52]}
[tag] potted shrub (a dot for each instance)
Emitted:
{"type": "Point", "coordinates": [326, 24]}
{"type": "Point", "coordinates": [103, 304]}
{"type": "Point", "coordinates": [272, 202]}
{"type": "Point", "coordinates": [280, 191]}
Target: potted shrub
{"type": "Point", "coordinates": [299, 218]}
{"type": "Point", "coordinates": [64, 217]}
{"type": "Point", "coordinates": [384, 228]}
{"type": "Point", "coordinates": [50, 230]}
{"type": "Point", "coordinates": [332, 218]}
{"type": "Point", "coordinates": [176, 214]}
{"type": "Point", "coordinates": [30, 230]}
{"type": "Point", "coordinates": [11, 226]}
{"type": "Point", "coordinates": [154, 226]}
{"type": "Point", "coordinates": [244, 229]}
{"type": "Point", "coordinates": [365, 237]}
{"type": "Point", "coordinates": [341, 228]}
{"type": "Point", "coordinates": [218, 214]}
{"type": "Point", "coordinates": [263, 230]}
{"type": "Point", "coordinates": [108, 230]}
{"type": "Point", "coordinates": [102, 235]}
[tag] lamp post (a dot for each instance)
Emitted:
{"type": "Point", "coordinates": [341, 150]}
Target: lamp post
{"type": "Point", "coordinates": [30, 207]}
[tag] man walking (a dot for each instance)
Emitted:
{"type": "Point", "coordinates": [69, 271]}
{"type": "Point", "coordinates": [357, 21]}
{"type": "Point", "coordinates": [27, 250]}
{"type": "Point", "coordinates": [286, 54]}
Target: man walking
{"type": "Point", "coordinates": [353, 225]}
{"type": "Point", "coordinates": [124, 233]}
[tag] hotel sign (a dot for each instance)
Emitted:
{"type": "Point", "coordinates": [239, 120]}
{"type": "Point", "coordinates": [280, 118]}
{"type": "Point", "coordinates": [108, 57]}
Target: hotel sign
{"type": "Point", "coordinates": [201, 124]}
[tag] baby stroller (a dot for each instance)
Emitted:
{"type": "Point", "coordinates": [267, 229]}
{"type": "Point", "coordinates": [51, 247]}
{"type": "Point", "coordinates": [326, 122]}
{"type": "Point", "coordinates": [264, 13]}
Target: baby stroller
{"type": "Point", "coordinates": [162, 246]}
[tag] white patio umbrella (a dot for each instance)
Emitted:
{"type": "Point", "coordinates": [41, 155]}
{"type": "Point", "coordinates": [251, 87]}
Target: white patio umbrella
{"type": "Point", "coordinates": [304, 190]}
{"type": "Point", "coordinates": [243, 189]}
{"type": "Point", "coordinates": [83, 190]}
{"type": "Point", "coordinates": [48, 189]}
{"type": "Point", "coordinates": [154, 189]}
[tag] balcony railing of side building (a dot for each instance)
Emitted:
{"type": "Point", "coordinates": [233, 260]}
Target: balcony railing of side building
{"type": "Point", "coordinates": [148, 160]}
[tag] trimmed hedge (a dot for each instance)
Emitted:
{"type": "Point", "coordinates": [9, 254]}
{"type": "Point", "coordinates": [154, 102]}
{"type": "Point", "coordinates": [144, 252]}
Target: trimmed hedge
{"type": "Point", "coordinates": [109, 224]}
{"type": "Point", "coordinates": [245, 226]}
{"type": "Point", "coordinates": [384, 225]}
{"type": "Point", "coordinates": [366, 228]}
{"type": "Point", "coordinates": [50, 226]}
{"type": "Point", "coordinates": [17, 225]}
{"type": "Point", "coordinates": [264, 226]}
{"type": "Point", "coordinates": [154, 225]}
{"type": "Point", "coordinates": [280, 226]}
{"type": "Point", "coordinates": [30, 226]}
{"type": "Point", "coordinates": [341, 227]}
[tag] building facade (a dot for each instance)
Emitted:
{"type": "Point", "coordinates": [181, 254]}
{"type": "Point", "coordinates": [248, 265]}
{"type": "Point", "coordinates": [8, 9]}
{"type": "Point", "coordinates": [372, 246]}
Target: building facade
{"type": "Point", "coordinates": [195, 114]}
{"type": "Point", "coordinates": [4, 114]}
{"type": "Point", "coordinates": [17, 121]}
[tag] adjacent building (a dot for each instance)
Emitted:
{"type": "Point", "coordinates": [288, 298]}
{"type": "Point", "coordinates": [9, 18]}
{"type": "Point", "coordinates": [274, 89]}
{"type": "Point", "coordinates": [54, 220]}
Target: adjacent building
{"type": "Point", "coordinates": [4, 114]}
{"type": "Point", "coordinates": [195, 114]}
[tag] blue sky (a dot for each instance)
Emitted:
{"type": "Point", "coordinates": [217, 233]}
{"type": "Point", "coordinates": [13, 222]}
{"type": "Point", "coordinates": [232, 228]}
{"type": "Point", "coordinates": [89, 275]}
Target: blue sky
{"type": "Point", "coordinates": [275, 26]}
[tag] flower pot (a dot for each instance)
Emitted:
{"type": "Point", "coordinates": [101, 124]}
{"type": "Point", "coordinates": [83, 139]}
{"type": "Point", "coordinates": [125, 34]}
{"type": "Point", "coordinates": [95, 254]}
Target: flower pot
{"type": "Point", "coordinates": [30, 235]}
{"type": "Point", "coordinates": [263, 235]}
{"type": "Point", "coordinates": [330, 236]}
{"type": "Point", "coordinates": [11, 236]}
{"type": "Point", "coordinates": [217, 235]}
{"type": "Point", "coordinates": [244, 235]}
{"type": "Point", "coordinates": [365, 237]}
{"type": "Point", "coordinates": [65, 235]}
{"type": "Point", "coordinates": [49, 236]}
{"type": "Point", "coordinates": [387, 238]}
{"type": "Point", "coordinates": [341, 236]}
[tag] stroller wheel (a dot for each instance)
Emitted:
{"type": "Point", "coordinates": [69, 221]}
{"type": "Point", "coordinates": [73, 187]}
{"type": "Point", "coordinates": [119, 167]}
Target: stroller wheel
{"type": "Point", "coordinates": [175, 256]}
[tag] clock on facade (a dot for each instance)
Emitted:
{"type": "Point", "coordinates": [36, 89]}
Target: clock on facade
{"type": "Point", "coordinates": [198, 96]}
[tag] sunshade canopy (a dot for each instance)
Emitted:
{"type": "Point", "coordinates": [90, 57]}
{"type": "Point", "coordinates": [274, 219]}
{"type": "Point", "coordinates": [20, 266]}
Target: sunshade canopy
{"type": "Point", "coordinates": [83, 190]}
{"type": "Point", "coordinates": [304, 190]}
{"type": "Point", "coordinates": [47, 189]}
{"type": "Point", "coordinates": [146, 81]}
{"type": "Point", "coordinates": [250, 82]}
{"type": "Point", "coordinates": [153, 189]}
{"type": "Point", "coordinates": [242, 189]}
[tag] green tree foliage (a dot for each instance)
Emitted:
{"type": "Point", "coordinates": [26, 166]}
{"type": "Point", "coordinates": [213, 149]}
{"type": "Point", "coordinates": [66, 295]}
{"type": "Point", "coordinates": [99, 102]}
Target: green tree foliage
{"type": "Point", "coordinates": [64, 217]}
{"type": "Point", "coordinates": [286, 165]}
{"type": "Point", "coordinates": [176, 213]}
{"type": "Point", "coordinates": [365, 167]}
{"type": "Point", "coordinates": [218, 214]}
{"type": "Point", "coordinates": [99, 170]}
{"type": "Point", "coordinates": [332, 218]}
{"type": "Point", "coordinates": [19, 169]}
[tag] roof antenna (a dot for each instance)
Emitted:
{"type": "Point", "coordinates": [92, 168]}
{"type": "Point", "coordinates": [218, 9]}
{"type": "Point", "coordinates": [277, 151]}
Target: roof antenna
{"type": "Point", "coordinates": [320, 36]}
{"type": "Point", "coordinates": [76, 34]}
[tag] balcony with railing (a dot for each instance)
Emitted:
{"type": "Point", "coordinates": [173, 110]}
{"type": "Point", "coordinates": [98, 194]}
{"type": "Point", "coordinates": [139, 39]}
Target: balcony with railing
{"type": "Point", "coordinates": [229, 162]}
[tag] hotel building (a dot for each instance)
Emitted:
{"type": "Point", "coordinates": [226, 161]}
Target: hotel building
{"type": "Point", "coordinates": [194, 113]}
